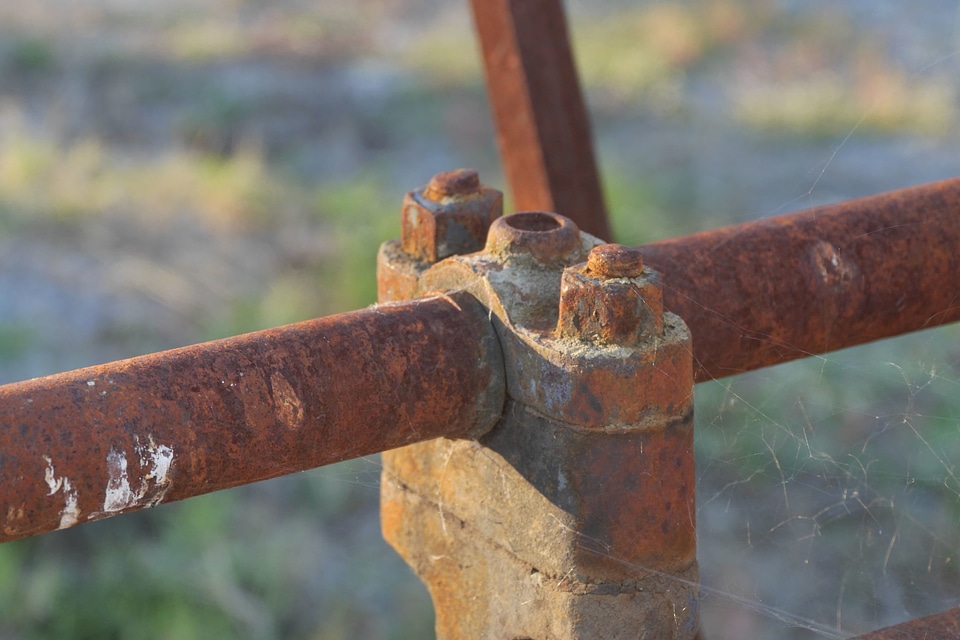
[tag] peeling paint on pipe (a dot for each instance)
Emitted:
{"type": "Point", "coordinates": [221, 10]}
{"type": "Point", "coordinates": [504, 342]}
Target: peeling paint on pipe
{"type": "Point", "coordinates": [91, 443]}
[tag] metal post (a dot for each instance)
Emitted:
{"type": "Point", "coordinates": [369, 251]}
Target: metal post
{"type": "Point", "coordinates": [543, 129]}
{"type": "Point", "coordinates": [574, 517]}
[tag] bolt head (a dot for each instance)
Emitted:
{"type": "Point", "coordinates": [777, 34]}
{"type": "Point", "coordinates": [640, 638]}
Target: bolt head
{"type": "Point", "coordinates": [459, 182]}
{"type": "Point", "coordinates": [450, 216]}
{"type": "Point", "coordinates": [609, 310]}
{"type": "Point", "coordinates": [615, 261]}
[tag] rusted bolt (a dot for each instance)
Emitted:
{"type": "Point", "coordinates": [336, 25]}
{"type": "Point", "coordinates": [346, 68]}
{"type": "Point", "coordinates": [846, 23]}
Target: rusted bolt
{"type": "Point", "coordinates": [548, 237]}
{"type": "Point", "coordinates": [611, 299]}
{"type": "Point", "coordinates": [458, 182]}
{"type": "Point", "coordinates": [615, 261]}
{"type": "Point", "coordinates": [450, 216]}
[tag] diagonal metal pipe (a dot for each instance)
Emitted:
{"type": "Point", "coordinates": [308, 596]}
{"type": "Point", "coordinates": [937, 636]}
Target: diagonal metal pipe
{"type": "Point", "coordinates": [792, 286]}
{"type": "Point", "coordinates": [543, 128]}
{"type": "Point", "coordinates": [95, 442]}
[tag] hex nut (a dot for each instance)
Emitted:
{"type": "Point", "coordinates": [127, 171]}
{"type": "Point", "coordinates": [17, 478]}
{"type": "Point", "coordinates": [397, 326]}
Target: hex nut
{"type": "Point", "coordinates": [611, 299]}
{"type": "Point", "coordinates": [450, 216]}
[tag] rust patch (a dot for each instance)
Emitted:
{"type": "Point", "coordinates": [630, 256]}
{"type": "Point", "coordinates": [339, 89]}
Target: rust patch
{"type": "Point", "coordinates": [777, 289]}
{"type": "Point", "coordinates": [94, 442]}
{"type": "Point", "coordinates": [449, 216]}
{"type": "Point", "coordinates": [547, 237]}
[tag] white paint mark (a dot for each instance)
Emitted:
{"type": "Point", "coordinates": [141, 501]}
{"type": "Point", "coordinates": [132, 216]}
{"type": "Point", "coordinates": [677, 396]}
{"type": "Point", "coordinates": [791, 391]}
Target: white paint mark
{"type": "Point", "coordinates": [71, 506]}
{"type": "Point", "coordinates": [158, 458]}
{"type": "Point", "coordinates": [71, 503]}
{"type": "Point", "coordinates": [50, 476]}
{"type": "Point", "coordinates": [155, 463]}
{"type": "Point", "coordinates": [118, 495]}
{"type": "Point", "coordinates": [561, 480]}
{"type": "Point", "coordinates": [91, 383]}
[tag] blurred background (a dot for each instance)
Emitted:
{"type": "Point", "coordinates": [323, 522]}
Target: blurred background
{"type": "Point", "coordinates": [177, 171]}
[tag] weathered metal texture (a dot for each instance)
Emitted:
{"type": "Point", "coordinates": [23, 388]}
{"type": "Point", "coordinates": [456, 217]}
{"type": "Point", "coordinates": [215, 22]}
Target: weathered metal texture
{"type": "Point", "coordinates": [573, 517]}
{"type": "Point", "coordinates": [611, 299]}
{"type": "Point", "coordinates": [449, 216]}
{"type": "Point", "coordinates": [543, 129]}
{"type": "Point", "coordinates": [940, 626]}
{"type": "Point", "coordinates": [777, 289]}
{"type": "Point", "coordinates": [104, 440]}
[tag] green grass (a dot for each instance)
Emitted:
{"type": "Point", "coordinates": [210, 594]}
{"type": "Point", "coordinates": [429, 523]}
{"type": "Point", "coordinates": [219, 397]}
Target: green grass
{"type": "Point", "coordinates": [15, 340]}
{"type": "Point", "coordinates": [827, 104]}
{"type": "Point", "coordinates": [39, 181]}
{"type": "Point", "coordinates": [31, 55]}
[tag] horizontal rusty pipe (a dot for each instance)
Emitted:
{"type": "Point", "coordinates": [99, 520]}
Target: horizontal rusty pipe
{"type": "Point", "coordinates": [939, 625]}
{"type": "Point", "coordinates": [777, 289]}
{"type": "Point", "coordinates": [95, 442]}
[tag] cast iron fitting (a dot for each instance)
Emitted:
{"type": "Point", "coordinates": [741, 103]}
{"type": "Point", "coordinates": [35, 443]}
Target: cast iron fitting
{"type": "Point", "coordinates": [611, 299]}
{"type": "Point", "coordinates": [449, 216]}
{"type": "Point", "coordinates": [548, 237]}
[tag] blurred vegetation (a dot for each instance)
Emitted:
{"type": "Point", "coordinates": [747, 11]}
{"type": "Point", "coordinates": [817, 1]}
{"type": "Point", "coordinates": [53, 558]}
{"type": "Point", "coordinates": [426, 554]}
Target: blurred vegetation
{"type": "Point", "coordinates": [218, 566]}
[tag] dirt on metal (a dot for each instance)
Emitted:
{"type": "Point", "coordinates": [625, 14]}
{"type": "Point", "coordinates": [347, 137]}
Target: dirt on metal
{"type": "Point", "coordinates": [109, 439]}
{"type": "Point", "coordinates": [573, 517]}
{"type": "Point", "coordinates": [450, 215]}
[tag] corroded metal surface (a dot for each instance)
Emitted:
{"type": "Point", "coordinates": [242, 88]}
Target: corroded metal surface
{"type": "Point", "coordinates": [572, 518]}
{"type": "Point", "coordinates": [765, 292]}
{"type": "Point", "coordinates": [95, 442]}
{"type": "Point", "coordinates": [450, 215]}
{"type": "Point", "coordinates": [542, 125]}
{"type": "Point", "coordinates": [611, 299]}
{"type": "Point", "coordinates": [940, 626]}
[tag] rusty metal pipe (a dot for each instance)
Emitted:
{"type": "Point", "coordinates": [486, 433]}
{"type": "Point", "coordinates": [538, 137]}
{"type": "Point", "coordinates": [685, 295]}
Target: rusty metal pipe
{"type": "Point", "coordinates": [939, 625]}
{"type": "Point", "coordinates": [95, 442]}
{"type": "Point", "coordinates": [777, 289]}
{"type": "Point", "coordinates": [543, 129]}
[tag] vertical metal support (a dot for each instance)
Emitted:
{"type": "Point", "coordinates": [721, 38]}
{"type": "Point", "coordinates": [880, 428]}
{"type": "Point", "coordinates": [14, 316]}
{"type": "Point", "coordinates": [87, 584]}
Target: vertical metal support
{"type": "Point", "coordinates": [542, 125]}
{"type": "Point", "coordinates": [574, 517]}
